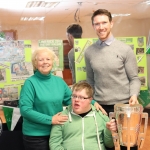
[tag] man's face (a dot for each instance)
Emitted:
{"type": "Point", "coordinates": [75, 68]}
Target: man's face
{"type": "Point", "coordinates": [70, 39]}
{"type": "Point", "coordinates": [79, 104]}
{"type": "Point", "coordinates": [102, 26]}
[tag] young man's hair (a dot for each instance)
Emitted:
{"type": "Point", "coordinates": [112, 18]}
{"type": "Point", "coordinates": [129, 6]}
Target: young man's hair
{"type": "Point", "coordinates": [75, 30]}
{"type": "Point", "coordinates": [101, 12]}
{"type": "Point", "coordinates": [83, 85]}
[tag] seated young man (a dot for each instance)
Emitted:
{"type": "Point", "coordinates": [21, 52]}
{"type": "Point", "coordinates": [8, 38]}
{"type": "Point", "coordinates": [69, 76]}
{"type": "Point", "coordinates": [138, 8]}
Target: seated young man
{"type": "Point", "coordinates": [87, 128]}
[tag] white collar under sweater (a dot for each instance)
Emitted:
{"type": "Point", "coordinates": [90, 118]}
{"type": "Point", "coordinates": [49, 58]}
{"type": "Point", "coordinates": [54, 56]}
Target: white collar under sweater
{"type": "Point", "coordinates": [107, 41]}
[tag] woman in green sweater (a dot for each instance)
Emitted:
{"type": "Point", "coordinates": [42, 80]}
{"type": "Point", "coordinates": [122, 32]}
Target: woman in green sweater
{"type": "Point", "coordinates": [42, 98]}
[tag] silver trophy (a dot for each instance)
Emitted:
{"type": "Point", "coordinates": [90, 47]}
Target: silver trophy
{"type": "Point", "coordinates": [129, 119]}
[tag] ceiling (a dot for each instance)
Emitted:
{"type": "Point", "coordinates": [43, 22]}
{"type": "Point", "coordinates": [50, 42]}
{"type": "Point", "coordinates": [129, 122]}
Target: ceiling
{"type": "Point", "coordinates": [11, 11]}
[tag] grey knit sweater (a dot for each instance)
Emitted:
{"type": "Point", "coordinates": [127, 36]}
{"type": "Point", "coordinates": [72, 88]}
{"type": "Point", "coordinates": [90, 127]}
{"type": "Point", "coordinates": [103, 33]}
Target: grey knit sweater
{"type": "Point", "coordinates": [112, 72]}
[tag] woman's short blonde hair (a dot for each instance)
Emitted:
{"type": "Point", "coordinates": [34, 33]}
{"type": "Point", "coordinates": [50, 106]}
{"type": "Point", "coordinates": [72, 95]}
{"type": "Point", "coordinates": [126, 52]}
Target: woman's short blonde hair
{"type": "Point", "coordinates": [41, 50]}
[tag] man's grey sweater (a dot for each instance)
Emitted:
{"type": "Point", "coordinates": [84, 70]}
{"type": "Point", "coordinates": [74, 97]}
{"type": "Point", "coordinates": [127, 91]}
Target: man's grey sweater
{"type": "Point", "coordinates": [112, 72]}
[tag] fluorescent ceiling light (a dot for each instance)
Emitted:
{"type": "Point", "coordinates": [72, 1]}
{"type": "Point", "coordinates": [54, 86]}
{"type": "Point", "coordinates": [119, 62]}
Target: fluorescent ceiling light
{"type": "Point", "coordinates": [41, 18]}
{"type": "Point", "coordinates": [17, 4]}
{"type": "Point", "coordinates": [32, 18]}
{"type": "Point", "coordinates": [147, 2]}
{"type": "Point", "coordinates": [116, 15]}
{"type": "Point", "coordinates": [41, 4]}
{"type": "Point", "coordinates": [20, 4]}
{"type": "Point", "coordinates": [113, 15]}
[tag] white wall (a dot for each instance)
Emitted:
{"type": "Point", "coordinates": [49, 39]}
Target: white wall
{"type": "Point", "coordinates": [132, 27]}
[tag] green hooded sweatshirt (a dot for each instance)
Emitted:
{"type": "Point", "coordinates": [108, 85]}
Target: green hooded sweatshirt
{"type": "Point", "coordinates": [81, 133]}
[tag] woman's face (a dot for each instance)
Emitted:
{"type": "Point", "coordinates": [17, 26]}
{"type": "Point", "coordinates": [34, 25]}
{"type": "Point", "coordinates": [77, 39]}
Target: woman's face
{"type": "Point", "coordinates": [44, 62]}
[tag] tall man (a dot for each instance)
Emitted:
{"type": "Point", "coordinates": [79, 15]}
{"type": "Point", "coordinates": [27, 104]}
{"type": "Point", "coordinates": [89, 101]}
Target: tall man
{"type": "Point", "coordinates": [111, 66]}
{"type": "Point", "coordinates": [73, 31]}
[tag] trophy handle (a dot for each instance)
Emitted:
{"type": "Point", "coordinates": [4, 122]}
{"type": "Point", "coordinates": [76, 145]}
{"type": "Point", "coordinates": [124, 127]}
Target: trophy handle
{"type": "Point", "coordinates": [115, 135]}
{"type": "Point", "coordinates": [111, 115]}
{"type": "Point", "coordinates": [1, 126]}
{"type": "Point", "coordinates": [141, 137]}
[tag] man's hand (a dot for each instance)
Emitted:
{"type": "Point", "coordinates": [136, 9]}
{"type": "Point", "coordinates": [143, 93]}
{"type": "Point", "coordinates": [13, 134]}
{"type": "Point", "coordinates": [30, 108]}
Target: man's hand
{"type": "Point", "coordinates": [99, 107]}
{"type": "Point", "coordinates": [133, 100]}
{"type": "Point", "coordinates": [111, 125]}
{"type": "Point", "coordinates": [59, 119]}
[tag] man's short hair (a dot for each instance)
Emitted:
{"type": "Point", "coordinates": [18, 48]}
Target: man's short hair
{"type": "Point", "coordinates": [83, 85]}
{"type": "Point", "coordinates": [75, 30]}
{"type": "Point", "coordinates": [101, 12]}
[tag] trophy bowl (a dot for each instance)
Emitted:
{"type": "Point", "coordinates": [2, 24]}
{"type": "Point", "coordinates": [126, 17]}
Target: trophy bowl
{"type": "Point", "coordinates": [128, 119]}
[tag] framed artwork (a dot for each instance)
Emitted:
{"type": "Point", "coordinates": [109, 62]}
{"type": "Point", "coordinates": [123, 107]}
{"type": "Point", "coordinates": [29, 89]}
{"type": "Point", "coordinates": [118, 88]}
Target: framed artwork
{"type": "Point", "coordinates": [8, 35]}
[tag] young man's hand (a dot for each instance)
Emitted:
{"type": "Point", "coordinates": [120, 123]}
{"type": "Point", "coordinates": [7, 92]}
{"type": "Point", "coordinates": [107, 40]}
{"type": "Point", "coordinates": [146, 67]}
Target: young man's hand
{"type": "Point", "coordinates": [111, 125]}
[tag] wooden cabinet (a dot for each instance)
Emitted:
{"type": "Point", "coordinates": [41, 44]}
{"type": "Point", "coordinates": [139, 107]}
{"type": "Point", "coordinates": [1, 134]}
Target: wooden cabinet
{"type": "Point", "coordinates": [66, 72]}
{"type": "Point", "coordinates": [8, 35]}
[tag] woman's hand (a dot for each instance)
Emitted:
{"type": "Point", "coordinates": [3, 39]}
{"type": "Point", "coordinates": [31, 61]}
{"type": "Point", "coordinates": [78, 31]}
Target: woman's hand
{"type": "Point", "coordinates": [99, 107]}
{"type": "Point", "coordinates": [59, 118]}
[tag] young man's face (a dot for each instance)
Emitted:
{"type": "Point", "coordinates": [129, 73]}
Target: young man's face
{"type": "Point", "coordinates": [102, 26]}
{"type": "Point", "coordinates": [79, 104]}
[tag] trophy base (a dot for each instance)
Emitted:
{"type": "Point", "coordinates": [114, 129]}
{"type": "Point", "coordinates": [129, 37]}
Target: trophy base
{"type": "Point", "coordinates": [131, 148]}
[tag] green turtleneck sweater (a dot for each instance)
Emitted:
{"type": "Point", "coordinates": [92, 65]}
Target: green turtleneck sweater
{"type": "Point", "coordinates": [42, 96]}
